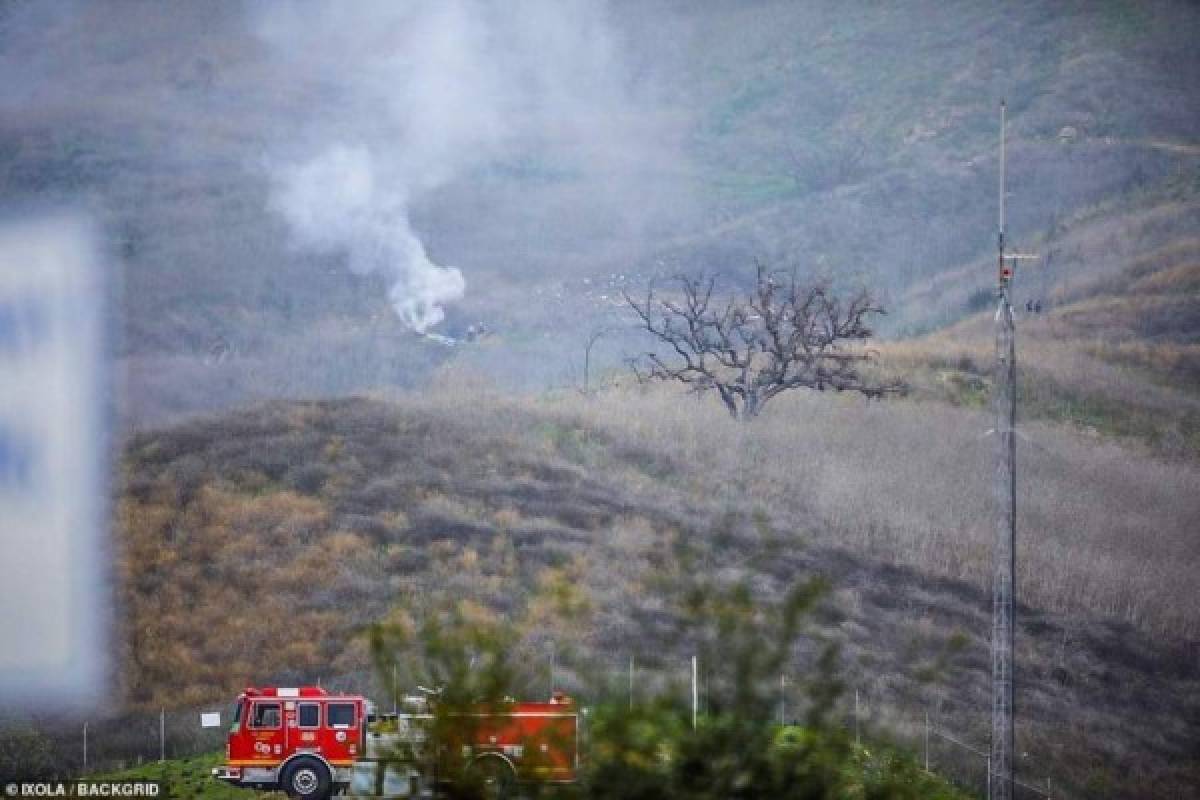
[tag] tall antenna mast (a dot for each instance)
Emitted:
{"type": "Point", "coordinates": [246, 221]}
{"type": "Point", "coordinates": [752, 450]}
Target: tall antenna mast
{"type": "Point", "coordinates": [1004, 549]}
{"type": "Point", "coordinates": [1003, 123]}
{"type": "Point", "coordinates": [1000, 781]}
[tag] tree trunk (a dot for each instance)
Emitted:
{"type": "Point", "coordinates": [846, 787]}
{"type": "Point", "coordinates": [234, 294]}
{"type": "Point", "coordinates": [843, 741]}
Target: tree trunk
{"type": "Point", "coordinates": [730, 401]}
{"type": "Point", "coordinates": [752, 405]}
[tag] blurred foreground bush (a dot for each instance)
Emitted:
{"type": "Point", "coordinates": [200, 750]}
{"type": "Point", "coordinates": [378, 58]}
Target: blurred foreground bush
{"type": "Point", "coordinates": [649, 750]}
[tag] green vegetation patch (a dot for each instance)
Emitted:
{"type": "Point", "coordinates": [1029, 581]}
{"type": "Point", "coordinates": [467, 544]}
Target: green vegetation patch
{"type": "Point", "coordinates": [184, 778]}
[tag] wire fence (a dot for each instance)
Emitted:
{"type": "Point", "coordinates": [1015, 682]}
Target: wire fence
{"type": "Point", "coordinates": [942, 748]}
{"type": "Point", "coordinates": [940, 745]}
{"type": "Point", "coordinates": [109, 743]}
{"type": "Point", "coordinates": [946, 744]}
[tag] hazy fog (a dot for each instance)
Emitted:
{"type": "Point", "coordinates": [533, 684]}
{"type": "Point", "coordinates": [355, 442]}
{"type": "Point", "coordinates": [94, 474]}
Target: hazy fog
{"type": "Point", "coordinates": [289, 190]}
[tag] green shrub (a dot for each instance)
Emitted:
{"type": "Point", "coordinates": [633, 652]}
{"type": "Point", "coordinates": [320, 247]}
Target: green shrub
{"type": "Point", "coordinates": [652, 750]}
{"type": "Point", "coordinates": [25, 753]}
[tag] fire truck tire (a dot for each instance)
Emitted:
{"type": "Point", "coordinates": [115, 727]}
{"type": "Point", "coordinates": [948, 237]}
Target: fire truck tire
{"type": "Point", "coordinates": [496, 778]}
{"type": "Point", "coordinates": [307, 779]}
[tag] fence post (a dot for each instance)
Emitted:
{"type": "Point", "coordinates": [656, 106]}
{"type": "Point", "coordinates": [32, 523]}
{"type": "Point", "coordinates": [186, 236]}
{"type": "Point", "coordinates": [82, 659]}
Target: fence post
{"type": "Point", "coordinates": [695, 694]}
{"type": "Point", "coordinates": [927, 741]}
{"type": "Point", "coordinates": [631, 681]}
{"type": "Point", "coordinates": [162, 735]}
{"type": "Point", "coordinates": [856, 741]}
{"type": "Point", "coordinates": [989, 776]}
{"type": "Point", "coordinates": [85, 747]}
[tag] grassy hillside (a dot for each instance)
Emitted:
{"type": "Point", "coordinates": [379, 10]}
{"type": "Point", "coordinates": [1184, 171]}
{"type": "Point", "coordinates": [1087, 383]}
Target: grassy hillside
{"type": "Point", "coordinates": [256, 544]}
{"type": "Point", "coordinates": [854, 140]}
{"type": "Point", "coordinates": [1115, 350]}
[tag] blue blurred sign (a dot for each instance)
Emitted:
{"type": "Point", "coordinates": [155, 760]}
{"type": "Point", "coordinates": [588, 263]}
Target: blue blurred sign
{"type": "Point", "coordinates": [53, 560]}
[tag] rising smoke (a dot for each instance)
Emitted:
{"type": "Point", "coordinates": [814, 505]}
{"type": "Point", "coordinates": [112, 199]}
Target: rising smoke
{"type": "Point", "coordinates": [410, 96]}
{"type": "Point", "coordinates": [337, 202]}
{"type": "Point", "coordinates": [241, 157]}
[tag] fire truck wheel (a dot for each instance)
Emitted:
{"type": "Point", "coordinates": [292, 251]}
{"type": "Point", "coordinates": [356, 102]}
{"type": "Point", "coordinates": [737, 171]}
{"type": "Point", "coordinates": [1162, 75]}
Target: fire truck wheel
{"type": "Point", "coordinates": [307, 779]}
{"type": "Point", "coordinates": [495, 777]}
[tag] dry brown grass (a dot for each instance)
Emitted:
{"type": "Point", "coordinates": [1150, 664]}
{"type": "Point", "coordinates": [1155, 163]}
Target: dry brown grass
{"type": "Point", "coordinates": [1103, 250]}
{"type": "Point", "coordinates": [1114, 353]}
{"type": "Point", "coordinates": [207, 589]}
{"type": "Point", "coordinates": [1133, 375]}
{"type": "Point", "coordinates": [256, 544]}
{"type": "Point", "coordinates": [1103, 530]}
{"type": "Point", "coordinates": [1182, 278]}
{"type": "Point", "coordinates": [1180, 362]}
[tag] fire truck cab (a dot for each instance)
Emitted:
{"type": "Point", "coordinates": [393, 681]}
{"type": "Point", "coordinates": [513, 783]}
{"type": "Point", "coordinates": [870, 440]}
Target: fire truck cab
{"type": "Point", "coordinates": [303, 741]}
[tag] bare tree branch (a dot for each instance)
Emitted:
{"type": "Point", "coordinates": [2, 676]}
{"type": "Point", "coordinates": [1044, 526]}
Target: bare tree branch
{"type": "Point", "coordinates": [780, 335]}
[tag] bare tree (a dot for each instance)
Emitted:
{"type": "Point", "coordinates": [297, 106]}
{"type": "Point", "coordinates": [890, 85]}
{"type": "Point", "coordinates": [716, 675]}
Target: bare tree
{"type": "Point", "coordinates": [780, 335]}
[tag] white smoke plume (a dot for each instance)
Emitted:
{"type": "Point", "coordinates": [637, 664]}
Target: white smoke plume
{"type": "Point", "coordinates": [400, 99]}
{"type": "Point", "coordinates": [337, 203]}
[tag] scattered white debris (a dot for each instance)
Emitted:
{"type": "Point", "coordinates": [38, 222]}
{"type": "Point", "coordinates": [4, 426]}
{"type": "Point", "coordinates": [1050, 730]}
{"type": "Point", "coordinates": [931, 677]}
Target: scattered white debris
{"type": "Point", "coordinates": [441, 339]}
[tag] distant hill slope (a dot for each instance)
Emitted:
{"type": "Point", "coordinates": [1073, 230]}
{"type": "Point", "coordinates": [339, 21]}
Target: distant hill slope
{"type": "Point", "coordinates": [1108, 327]}
{"type": "Point", "coordinates": [854, 139]}
{"type": "Point", "coordinates": [254, 546]}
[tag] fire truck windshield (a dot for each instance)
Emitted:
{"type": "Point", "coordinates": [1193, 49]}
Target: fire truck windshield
{"type": "Point", "coordinates": [237, 716]}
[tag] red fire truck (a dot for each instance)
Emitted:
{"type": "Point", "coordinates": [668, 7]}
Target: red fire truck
{"type": "Point", "coordinates": [311, 744]}
{"type": "Point", "coordinates": [301, 740]}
